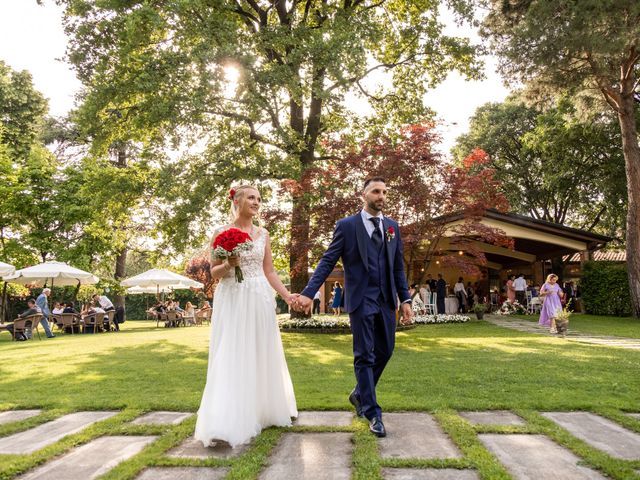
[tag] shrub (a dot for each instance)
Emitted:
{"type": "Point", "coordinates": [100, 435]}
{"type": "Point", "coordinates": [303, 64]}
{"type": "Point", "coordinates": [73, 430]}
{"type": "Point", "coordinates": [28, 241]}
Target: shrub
{"type": "Point", "coordinates": [605, 289]}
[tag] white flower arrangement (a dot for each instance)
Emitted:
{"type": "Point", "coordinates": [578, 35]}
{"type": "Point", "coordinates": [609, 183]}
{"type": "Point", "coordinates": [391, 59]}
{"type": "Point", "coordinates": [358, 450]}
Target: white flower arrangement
{"type": "Point", "coordinates": [511, 308]}
{"type": "Point", "coordinates": [425, 319]}
{"type": "Point", "coordinates": [313, 323]}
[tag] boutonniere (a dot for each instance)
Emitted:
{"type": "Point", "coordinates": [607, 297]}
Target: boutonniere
{"type": "Point", "coordinates": [391, 234]}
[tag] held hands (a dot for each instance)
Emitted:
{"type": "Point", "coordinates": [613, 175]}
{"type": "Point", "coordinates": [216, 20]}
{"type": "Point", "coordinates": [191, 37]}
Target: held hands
{"type": "Point", "coordinates": [301, 303]}
{"type": "Point", "coordinates": [407, 314]}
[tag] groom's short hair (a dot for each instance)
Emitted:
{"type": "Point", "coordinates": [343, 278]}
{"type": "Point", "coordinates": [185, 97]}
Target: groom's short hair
{"type": "Point", "coordinates": [373, 179]}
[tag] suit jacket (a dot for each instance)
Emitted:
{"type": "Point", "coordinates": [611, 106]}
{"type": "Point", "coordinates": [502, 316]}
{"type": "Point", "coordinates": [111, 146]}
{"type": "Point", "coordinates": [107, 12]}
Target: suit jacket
{"type": "Point", "coordinates": [43, 303]}
{"type": "Point", "coordinates": [349, 243]}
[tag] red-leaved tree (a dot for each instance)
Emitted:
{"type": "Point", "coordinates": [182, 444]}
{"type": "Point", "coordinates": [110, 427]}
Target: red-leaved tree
{"type": "Point", "coordinates": [199, 268]}
{"type": "Point", "coordinates": [423, 189]}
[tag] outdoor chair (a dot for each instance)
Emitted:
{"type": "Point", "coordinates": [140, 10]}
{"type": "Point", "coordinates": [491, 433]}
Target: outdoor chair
{"type": "Point", "coordinates": [203, 316]}
{"type": "Point", "coordinates": [533, 304]}
{"type": "Point", "coordinates": [161, 317]}
{"type": "Point", "coordinates": [432, 305]}
{"type": "Point", "coordinates": [94, 320]}
{"type": "Point", "coordinates": [68, 320]}
{"type": "Point", "coordinates": [110, 316]}
{"type": "Point", "coordinates": [20, 325]}
{"type": "Point", "coordinates": [172, 319]}
{"type": "Point", "coordinates": [493, 299]}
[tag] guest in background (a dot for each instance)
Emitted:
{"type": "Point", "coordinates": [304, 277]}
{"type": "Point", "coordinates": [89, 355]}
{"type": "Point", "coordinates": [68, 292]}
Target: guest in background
{"type": "Point", "coordinates": [58, 308]}
{"type": "Point", "coordinates": [433, 285]}
{"type": "Point", "coordinates": [511, 292]}
{"type": "Point", "coordinates": [461, 294]}
{"type": "Point", "coordinates": [32, 309]}
{"type": "Point", "coordinates": [70, 308]}
{"type": "Point", "coordinates": [441, 292]}
{"type": "Point", "coordinates": [470, 296]}
{"type": "Point", "coordinates": [103, 302]}
{"type": "Point", "coordinates": [43, 304]}
{"type": "Point", "coordinates": [316, 304]}
{"type": "Point", "coordinates": [520, 287]}
{"type": "Point", "coordinates": [189, 314]}
{"type": "Point", "coordinates": [570, 295]}
{"type": "Point", "coordinates": [552, 295]}
{"type": "Point", "coordinates": [337, 298]}
{"type": "Point", "coordinates": [425, 290]}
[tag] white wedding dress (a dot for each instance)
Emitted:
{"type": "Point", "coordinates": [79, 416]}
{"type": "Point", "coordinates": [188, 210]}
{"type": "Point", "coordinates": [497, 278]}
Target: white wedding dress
{"type": "Point", "coordinates": [248, 384]}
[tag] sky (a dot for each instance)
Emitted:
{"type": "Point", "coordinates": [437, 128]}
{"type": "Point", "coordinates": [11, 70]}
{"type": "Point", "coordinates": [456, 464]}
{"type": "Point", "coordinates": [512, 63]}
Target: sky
{"type": "Point", "coordinates": [32, 38]}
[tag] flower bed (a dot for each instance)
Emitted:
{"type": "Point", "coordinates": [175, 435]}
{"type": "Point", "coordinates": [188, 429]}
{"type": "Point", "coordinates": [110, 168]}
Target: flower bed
{"type": "Point", "coordinates": [509, 308]}
{"type": "Point", "coordinates": [318, 324]}
{"type": "Point", "coordinates": [425, 319]}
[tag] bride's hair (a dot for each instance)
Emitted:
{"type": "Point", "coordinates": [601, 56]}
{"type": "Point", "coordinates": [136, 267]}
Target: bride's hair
{"type": "Point", "coordinates": [238, 193]}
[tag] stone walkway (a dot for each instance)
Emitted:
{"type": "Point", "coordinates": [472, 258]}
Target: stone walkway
{"type": "Point", "coordinates": [532, 327]}
{"type": "Point", "coordinates": [308, 454]}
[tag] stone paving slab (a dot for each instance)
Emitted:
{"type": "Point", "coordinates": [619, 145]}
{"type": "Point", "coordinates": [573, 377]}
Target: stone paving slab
{"type": "Point", "coordinates": [192, 448]}
{"type": "Point", "coordinates": [311, 456]}
{"type": "Point", "coordinates": [17, 415]}
{"type": "Point", "coordinates": [536, 457]}
{"type": "Point", "coordinates": [324, 419]}
{"type": "Point", "coordinates": [415, 435]}
{"type": "Point", "coordinates": [600, 433]}
{"type": "Point", "coordinates": [428, 474]}
{"type": "Point", "coordinates": [532, 327]}
{"type": "Point", "coordinates": [48, 433]}
{"type": "Point", "coordinates": [496, 417]}
{"type": "Point", "coordinates": [92, 459]}
{"type": "Point", "coordinates": [634, 415]}
{"type": "Point", "coordinates": [162, 418]}
{"type": "Point", "coordinates": [183, 473]}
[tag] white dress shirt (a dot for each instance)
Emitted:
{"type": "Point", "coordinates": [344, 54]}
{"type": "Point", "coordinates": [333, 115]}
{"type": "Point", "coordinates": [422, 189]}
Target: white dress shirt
{"type": "Point", "coordinates": [520, 284]}
{"type": "Point", "coordinates": [104, 302]}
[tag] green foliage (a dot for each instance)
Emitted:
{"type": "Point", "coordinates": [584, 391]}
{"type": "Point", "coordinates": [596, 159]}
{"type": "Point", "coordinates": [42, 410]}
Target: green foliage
{"type": "Point", "coordinates": [22, 109]}
{"type": "Point", "coordinates": [551, 164]}
{"type": "Point", "coordinates": [157, 74]}
{"type": "Point", "coordinates": [605, 289]}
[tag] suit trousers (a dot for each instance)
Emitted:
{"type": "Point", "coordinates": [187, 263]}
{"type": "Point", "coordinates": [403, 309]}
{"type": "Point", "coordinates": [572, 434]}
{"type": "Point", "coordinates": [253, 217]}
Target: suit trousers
{"type": "Point", "coordinates": [373, 325]}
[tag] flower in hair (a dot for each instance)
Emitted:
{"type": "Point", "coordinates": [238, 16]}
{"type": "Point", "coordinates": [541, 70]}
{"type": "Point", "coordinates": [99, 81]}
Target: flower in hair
{"type": "Point", "coordinates": [232, 193]}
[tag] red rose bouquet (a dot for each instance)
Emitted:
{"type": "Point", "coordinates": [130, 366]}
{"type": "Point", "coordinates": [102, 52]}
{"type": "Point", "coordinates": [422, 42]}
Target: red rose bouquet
{"type": "Point", "coordinates": [232, 243]}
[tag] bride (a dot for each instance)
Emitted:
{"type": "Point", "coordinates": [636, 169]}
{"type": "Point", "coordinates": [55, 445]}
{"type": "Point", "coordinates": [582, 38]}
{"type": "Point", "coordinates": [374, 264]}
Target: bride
{"type": "Point", "coordinates": [248, 384]}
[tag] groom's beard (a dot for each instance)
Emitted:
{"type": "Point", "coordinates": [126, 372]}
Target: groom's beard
{"type": "Point", "coordinates": [376, 206]}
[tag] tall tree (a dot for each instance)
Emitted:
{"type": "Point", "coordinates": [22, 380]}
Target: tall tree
{"type": "Point", "coordinates": [580, 46]}
{"type": "Point", "coordinates": [159, 71]}
{"type": "Point", "coordinates": [552, 164]}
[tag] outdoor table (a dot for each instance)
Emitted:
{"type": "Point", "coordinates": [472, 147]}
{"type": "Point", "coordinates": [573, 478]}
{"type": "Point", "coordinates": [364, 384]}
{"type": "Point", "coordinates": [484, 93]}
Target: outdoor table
{"type": "Point", "coordinates": [450, 305]}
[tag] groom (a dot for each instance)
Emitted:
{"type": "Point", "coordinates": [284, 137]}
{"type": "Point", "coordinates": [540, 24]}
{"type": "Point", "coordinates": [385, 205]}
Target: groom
{"type": "Point", "coordinates": [371, 251]}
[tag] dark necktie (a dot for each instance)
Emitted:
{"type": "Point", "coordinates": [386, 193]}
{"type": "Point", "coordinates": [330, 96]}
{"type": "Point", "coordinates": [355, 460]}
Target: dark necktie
{"type": "Point", "coordinates": [376, 236]}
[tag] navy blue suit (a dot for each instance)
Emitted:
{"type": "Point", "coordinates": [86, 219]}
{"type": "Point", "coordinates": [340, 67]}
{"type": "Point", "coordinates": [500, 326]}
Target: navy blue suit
{"type": "Point", "coordinates": [374, 279]}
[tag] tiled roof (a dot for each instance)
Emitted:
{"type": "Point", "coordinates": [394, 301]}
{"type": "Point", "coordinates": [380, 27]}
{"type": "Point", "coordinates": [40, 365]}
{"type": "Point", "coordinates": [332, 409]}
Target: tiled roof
{"type": "Point", "coordinates": [601, 256]}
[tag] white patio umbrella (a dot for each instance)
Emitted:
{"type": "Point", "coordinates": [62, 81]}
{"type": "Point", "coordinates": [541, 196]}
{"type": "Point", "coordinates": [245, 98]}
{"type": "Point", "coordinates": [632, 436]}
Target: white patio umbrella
{"type": "Point", "coordinates": [159, 278]}
{"type": "Point", "coordinates": [6, 269]}
{"type": "Point", "coordinates": [51, 273]}
{"type": "Point", "coordinates": [140, 290]}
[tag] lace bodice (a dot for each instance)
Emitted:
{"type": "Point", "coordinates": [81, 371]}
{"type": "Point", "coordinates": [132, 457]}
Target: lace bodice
{"type": "Point", "coordinates": [252, 261]}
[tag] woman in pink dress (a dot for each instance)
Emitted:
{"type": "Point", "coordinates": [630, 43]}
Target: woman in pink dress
{"type": "Point", "coordinates": [551, 294]}
{"type": "Point", "coordinates": [511, 291]}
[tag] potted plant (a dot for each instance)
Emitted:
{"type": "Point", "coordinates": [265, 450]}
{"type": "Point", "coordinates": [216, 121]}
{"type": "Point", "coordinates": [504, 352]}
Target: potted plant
{"type": "Point", "coordinates": [479, 309]}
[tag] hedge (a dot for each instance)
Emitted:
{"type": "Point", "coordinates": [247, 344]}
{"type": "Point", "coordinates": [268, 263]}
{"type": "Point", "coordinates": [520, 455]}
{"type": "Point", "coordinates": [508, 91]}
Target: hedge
{"type": "Point", "coordinates": [605, 289]}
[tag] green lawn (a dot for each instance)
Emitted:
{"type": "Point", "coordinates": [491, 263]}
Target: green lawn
{"type": "Point", "coordinates": [600, 325]}
{"type": "Point", "coordinates": [436, 368]}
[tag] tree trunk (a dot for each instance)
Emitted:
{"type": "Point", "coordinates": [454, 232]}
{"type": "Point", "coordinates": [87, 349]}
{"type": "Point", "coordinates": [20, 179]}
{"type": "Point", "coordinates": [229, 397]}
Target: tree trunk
{"type": "Point", "coordinates": [121, 261]}
{"type": "Point", "coordinates": [631, 150]}
{"type": "Point", "coordinates": [299, 252]}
